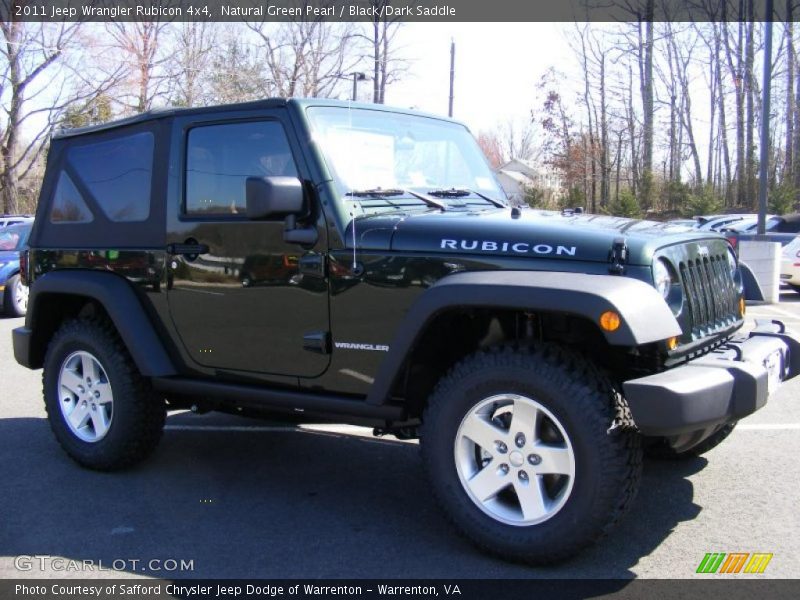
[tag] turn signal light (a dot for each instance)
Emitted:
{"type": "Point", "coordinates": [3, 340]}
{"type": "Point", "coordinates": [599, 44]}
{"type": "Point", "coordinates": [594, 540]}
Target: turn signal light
{"type": "Point", "coordinates": [610, 320]}
{"type": "Point", "coordinates": [672, 342]}
{"type": "Point", "coordinates": [741, 307]}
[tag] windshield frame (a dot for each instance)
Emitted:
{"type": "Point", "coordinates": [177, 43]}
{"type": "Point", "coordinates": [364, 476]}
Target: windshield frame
{"type": "Point", "coordinates": [363, 204]}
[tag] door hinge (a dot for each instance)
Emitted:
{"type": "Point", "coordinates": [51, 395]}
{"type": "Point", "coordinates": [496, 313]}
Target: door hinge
{"type": "Point", "coordinates": [618, 256]}
{"type": "Point", "coordinates": [317, 341]}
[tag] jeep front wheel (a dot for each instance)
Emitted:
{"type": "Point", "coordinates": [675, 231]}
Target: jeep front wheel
{"type": "Point", "coordinates": [102, 411]}
{"type": "Point", "coordinates": [527, 454]}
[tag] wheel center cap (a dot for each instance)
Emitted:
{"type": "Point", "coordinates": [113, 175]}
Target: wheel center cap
{"type": "Point", "coordinates": [516, 458]}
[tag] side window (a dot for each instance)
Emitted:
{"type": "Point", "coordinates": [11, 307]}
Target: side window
{"type": "Point", "coordinates": [68, 206]}
{"type": "Point", "coordinates": [220, 158]}
{"type": "Point", "coordinates": [118, 173]}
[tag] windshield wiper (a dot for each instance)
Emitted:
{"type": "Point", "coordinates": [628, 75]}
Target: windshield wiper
{"type": "Point", "coordinates": [381, 192]}
{"type": "Point", "coordinates": [462, 192]}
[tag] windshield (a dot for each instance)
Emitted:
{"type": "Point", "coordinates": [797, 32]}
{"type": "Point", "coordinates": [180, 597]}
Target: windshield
{"type": "Point", "coordinates": [371, 150]}
{"type": "Point", "coordinates": [13, 238]}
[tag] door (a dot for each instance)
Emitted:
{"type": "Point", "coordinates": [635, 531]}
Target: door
{"type": "Point", "coordinates": [236, 292]}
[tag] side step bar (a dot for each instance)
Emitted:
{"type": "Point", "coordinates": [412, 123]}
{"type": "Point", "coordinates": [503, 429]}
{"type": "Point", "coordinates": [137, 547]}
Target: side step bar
{"type": "Point", "coordinates": [254, 396]}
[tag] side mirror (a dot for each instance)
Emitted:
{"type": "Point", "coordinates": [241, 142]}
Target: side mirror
{"type": "Point", "coordinates": [273, 197]}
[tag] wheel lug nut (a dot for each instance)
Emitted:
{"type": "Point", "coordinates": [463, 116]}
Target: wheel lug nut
{"type": "Point", "coordinates": [96, 394]}
{"type": "Point", "coordinates": [501, 447]}
{"type": "Point", "coordinates": [523, 476]}
{"type": "Point", "coordinates": [534, 459]}
{"type": "Point", "coordinates": [504, 469]}
{"type": "Point", "coordinates": [519, 440]}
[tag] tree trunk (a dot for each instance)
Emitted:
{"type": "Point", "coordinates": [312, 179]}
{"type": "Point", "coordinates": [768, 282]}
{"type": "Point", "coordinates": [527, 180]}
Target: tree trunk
{"type": "Point", "coordinates": [8, 175]}
{"type": "Point", "coordinates": [788, 162]}
{"type": "Point", "coordinates": [631, 118]}
{"type": "Point", "coordinates": [604, 171]}
{"type": "Point", "coordinates": [647, 104]}
{"type": "Point", "coordinates": [723, 126]}
{"type": "Point", "coordinates": [750, 159]}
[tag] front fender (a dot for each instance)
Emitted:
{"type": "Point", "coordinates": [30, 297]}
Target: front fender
{"type": "Point", "coordinates": [646, 318]}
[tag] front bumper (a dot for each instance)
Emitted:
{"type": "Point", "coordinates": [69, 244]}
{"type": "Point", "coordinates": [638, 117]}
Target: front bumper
{"type": "Point", "coordinates": [726, 385]}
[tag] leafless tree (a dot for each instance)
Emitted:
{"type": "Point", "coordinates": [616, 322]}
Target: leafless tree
{"type": "Point", "coordinates": [140, 49]}
{"type": "Point", "coordinates": [37, 84]}
{"type": "Point", "coordinates": [190, 61]}
{"type": "Point", "coordinates": [306, 57]}
{"type": "Point", "coordinates": [387, 64]}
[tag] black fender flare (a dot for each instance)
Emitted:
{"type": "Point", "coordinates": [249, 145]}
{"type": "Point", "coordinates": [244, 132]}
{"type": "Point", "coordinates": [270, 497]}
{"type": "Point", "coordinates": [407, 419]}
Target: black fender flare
{"type": "Point", "coordinates": [752, 289]}
{"type": "Point", "coordinates": [119, 299]}
{"type": "Point", "coordinates": [645, 315]}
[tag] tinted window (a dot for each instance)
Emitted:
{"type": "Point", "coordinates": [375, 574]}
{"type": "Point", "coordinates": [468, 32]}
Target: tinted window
{"type": "Point", "coordinates": [68, 205]}
{"type": "Point", "coordinates": [220, 158]}
{"type": "Point", "coordinates": [118, 174]}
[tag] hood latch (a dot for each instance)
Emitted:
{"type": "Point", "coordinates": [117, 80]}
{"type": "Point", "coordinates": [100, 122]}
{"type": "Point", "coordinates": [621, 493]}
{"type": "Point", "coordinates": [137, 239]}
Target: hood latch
{"type": "Point", "coordinates": [618, 256]}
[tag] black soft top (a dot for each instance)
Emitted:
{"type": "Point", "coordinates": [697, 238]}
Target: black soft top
{"type": "Point", "coordinates": [161, 113]}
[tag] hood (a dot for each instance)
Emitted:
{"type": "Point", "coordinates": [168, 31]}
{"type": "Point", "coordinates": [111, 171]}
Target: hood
{"type": "Point", "coordinates": [533, 233]}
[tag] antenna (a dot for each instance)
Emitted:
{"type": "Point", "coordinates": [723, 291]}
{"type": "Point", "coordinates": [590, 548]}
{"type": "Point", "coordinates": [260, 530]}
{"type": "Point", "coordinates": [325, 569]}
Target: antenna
{"type": "Point", "coordinates": [355, 268]}
{"type": "Point", "coordinates": [452, 74]}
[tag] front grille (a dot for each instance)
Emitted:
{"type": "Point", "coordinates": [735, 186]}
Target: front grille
{"type": "Point", "coordinates": [711, 293]}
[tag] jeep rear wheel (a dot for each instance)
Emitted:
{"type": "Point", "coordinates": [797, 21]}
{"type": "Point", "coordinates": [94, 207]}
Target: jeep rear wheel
{"type": "Point", "coordinates": [526, 453]}
{"type": "Point", "coordinates": [101, 410]}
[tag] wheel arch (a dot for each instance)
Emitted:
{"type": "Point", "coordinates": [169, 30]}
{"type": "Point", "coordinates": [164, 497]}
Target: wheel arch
{"type": "Point", "coordinates": [60, 295]}
{"type": "Point", "coordinates": [645, 317]}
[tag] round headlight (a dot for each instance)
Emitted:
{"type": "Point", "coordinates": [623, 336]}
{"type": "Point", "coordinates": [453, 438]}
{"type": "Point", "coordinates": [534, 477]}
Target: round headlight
{"type": "Point", "coordinates": [732, 264]}
{"type": "Point", "coordinates": [662, 277]}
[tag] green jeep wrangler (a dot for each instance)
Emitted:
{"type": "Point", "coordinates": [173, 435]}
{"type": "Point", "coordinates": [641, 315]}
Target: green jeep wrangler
{"type": "Point", "coordinates": [327, 260]}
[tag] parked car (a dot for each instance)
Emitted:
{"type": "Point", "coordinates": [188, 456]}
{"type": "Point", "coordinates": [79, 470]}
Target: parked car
{"type": "Point", "coordinates": [790, 265]}
{"type": "Point", "coordinates": [779, 224]}
{"type": "Point", "coordinates": [691, 223]}
{"type": "Point", "coordinates": [7, 220]}
{"type": "Point", "coordinates": [778, 228]}
{"type": "Point", "coordinates": [13, 292]}
{"type": "Point", "coordinates": [720, 222]}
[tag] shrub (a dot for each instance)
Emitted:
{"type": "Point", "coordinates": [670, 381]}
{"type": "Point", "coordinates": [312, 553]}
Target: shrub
{"type": "Point", "coordinates": [703, 202]}
{"type": "Point", "coordinates": [625, 206]}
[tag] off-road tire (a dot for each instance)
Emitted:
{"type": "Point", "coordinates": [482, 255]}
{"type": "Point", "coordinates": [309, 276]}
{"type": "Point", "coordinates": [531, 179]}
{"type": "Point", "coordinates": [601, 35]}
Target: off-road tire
{"type": "Point", "coordinates": [660, 450]}
{"type": "Point", "coordinates": [10, 299]}
{"type": "Point", "coordinates": [607, 449]}
{"type": "Point", "coordinates": [138, 414]}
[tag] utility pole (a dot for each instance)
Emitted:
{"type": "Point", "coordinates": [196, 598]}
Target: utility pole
{"type": "Point", "coordinates": [356, 78]}
{"type": "Point", "coordinates": [762, 188]}
{"type": "Point", "coordinates": [452, 74]}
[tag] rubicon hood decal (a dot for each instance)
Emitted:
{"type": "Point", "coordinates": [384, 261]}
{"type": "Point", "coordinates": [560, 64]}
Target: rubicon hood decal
{"type": "Point", "coordinates": [514, 247]}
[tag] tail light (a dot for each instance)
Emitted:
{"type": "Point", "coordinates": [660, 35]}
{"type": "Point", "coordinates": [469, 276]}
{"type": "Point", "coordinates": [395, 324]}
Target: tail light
{"type": "Point", "coordinates": [733, 240]}
{"type": "Point", "coordinates": [23, 267]}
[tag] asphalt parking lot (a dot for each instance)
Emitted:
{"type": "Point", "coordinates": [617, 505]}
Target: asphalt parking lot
{"type": "Point", "coordinates": [235, 498]}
